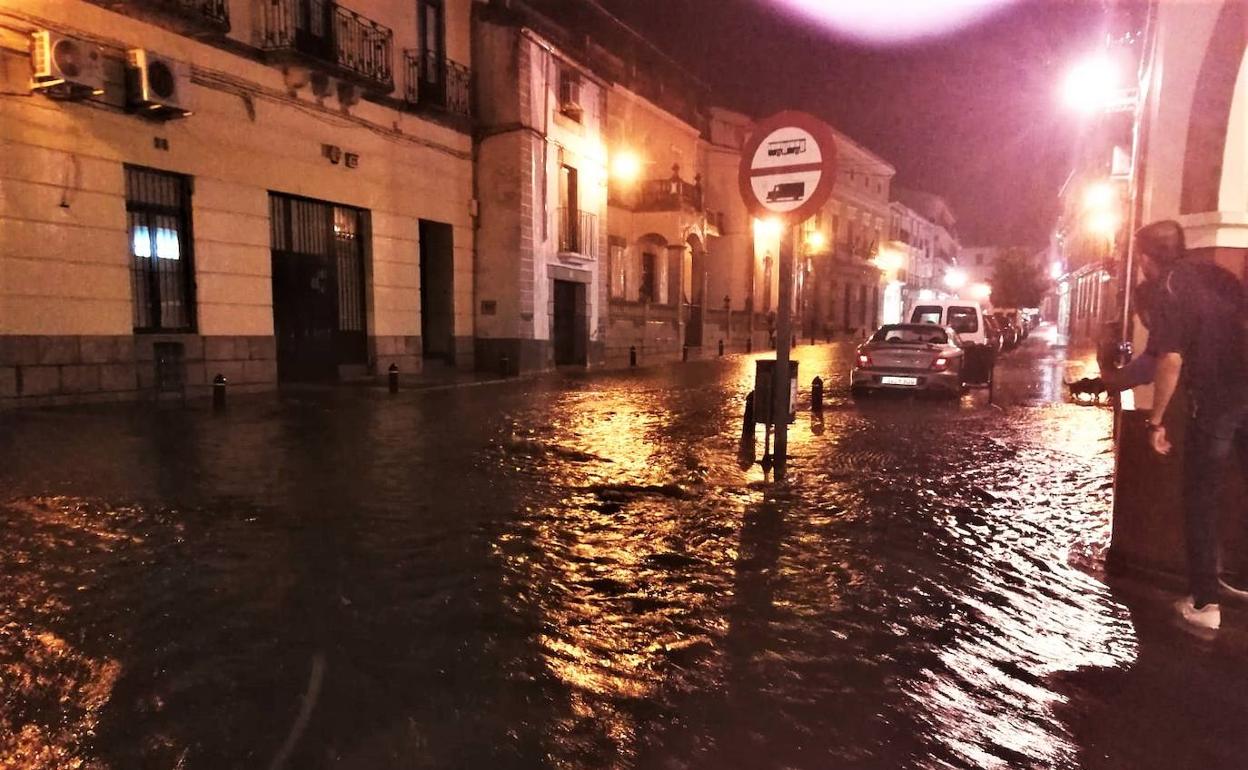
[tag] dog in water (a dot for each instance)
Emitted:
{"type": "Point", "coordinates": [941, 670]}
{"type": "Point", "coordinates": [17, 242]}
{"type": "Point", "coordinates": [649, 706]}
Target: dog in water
{"type": "Point", "coordinates": [1089, 390]}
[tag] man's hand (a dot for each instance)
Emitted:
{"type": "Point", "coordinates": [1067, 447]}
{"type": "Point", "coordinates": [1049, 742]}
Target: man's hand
{"type": "Point", "coordinates": [1158, 441]}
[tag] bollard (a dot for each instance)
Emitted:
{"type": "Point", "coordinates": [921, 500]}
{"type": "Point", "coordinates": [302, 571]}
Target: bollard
{"type": "Point", "coordinates": [393, 373]}
{"type": "Point", "coordinates": [504, 367]}
{"type": "Point", "coordinates": [684, 353]}
{"type": "Point", "coordinates": [749, 344]}
{"type": "Point", "coordinates": [218, 391]}
{"type": "Point", "coordinates": [721, 347]}
{"type": "Point", "coordinates": [792, 341]}
{"type": "Point", "coordinates": [632, 356]}
{"type": "Point", "coordinates": [747, 419]}
{"type": "Point", "coordinates": [816, 395]}
{"type": "Point", "coordinates": [812, 336]}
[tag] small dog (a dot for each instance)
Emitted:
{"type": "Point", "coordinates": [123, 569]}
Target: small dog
{"type": "Point", "coordinates": [1088, 390]}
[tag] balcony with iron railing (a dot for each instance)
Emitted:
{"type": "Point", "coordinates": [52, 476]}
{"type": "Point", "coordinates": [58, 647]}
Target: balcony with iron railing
{"type": "Point", "coordinates": [322, 33]}
{"type": "Point", "coordinates": [578, 233]}
{"type": "Point", "coordinates": [431, 80]}
{"type": "Point", "coordinates": [671, 194]}
{"type": "Point", "coordinates": [189, 17]}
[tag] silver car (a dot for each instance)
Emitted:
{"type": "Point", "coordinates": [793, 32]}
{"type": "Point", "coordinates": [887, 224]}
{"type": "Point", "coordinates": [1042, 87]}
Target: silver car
{"type": "Point", "coordinates": [910, 357]}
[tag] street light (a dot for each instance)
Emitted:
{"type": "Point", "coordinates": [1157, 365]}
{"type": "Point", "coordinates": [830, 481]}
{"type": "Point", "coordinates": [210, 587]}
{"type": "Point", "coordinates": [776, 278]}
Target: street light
{"type": "Point", "coordinates": [767, 228]}
{"type": "Point", "coordinates": [1100, 195]}
{"type": "Point", "coordinates": [816, 241]}
{"type": "Point", "coordinates": [981, 291]}
{"type": "Point", "coordinates": [955, 279]}
{"type": "Point", "coordinates": [1093, 84]}
{"type": "Point", "coordinates": [1103, 224]}
{"type": "Point", "coordinates": [889, 260]}
{"type": "Point", "coordinates": [625, 166]}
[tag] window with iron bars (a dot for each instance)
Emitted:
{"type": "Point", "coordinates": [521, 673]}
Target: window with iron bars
{"type": "Point", "coordinates": [162, 274]}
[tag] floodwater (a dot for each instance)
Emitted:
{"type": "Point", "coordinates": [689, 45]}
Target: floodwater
{"type": "Point", "coordinates": [575, 572]}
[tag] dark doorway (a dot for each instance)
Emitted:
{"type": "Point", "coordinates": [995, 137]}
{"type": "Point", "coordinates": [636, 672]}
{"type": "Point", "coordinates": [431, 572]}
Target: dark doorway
{"type": "Point", "coordinates": [571, 327]}
{"type": "Point", "coordinates": [697, 290]}
{"type": "Point", "coordinates": [318, 287]}
{"type": "Point", "coordinates": [437, 284]}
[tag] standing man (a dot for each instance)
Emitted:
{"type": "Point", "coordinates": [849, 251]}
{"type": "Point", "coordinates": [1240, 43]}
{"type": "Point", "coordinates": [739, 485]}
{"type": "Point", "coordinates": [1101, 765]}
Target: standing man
{"type": "Point", "coordinates": [1197, 336]}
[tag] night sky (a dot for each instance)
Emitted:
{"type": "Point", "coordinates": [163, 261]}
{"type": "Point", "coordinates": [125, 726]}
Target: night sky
{"type": "Point", "coordinates": [973, 116]}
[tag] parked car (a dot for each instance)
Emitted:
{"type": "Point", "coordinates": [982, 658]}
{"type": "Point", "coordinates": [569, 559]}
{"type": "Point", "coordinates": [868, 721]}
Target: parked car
{"type": "Point", "coordinates": [966, 318]}
{"type": "Point", "coordinates": [1011, 333]}
{"type": "Point", "coordinates": [910, 357]}
{"type": "Point", "coordinates": [995, 339]}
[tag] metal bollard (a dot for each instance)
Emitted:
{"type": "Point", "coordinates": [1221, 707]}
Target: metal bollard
{"type": "Point", "coordinates": [504, 367]}
{"type": "Point", "coordinates": [632, 356]}
{"type": "Point", "coordinates": [684, 353]}
{"type": "Point", "coordinates": [747, 424]}
{"type": "Point", "coordinates": [721, 347]}
{"type": "Point", "coordinates": [816, 395]}
{"type": "Point", "coordinates": [218, 391]}
{"type": "Point", "coordinates": [393, 374]}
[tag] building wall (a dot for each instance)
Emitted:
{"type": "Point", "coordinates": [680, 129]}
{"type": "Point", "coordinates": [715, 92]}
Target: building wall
{"type": "Point", "coordinates": [65, 289]}
{"type": "Point", "coordinates": [518, 166]}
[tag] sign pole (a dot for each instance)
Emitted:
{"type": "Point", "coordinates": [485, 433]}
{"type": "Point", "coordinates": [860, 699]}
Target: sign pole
{"type": "Point", "coordinates": [780, 377]}
{"type": "Point", "coordinates": [786, 174]}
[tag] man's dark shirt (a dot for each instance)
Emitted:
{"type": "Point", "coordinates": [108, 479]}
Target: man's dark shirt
{"type": "Point", "coordinates": [1199, 313]}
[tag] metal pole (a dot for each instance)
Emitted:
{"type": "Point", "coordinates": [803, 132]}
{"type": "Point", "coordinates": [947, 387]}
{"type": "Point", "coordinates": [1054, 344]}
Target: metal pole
{"type": "Point", "coordinates": [780, 379]}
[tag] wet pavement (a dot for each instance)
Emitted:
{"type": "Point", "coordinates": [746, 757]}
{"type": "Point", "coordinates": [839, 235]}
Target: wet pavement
{"type": "Point", "coordinates": [574, 572]}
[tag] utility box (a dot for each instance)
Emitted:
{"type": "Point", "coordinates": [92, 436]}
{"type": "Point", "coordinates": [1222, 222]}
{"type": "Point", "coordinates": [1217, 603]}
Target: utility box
{"type": "Point", "coordinates": [763, 374]}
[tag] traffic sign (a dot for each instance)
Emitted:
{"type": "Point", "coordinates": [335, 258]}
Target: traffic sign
{"type": "Point", "coordinates": [788, 166]}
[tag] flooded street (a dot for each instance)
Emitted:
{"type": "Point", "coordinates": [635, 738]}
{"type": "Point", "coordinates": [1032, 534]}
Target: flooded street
{"type": "Point", "coordinates": [574, 572]}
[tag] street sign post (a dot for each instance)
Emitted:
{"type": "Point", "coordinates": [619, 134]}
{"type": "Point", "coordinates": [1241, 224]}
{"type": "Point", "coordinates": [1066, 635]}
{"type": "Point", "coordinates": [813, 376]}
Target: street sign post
{"type": "Point", "coordinates": [787, 171]}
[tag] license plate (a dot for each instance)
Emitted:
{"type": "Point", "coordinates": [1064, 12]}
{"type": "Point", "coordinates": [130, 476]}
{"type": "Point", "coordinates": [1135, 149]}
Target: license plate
{"type": "Point", "coordinates": [899, 380]}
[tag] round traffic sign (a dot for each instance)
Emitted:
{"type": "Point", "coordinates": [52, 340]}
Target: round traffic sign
{"type": "Point", "coordinates": [788, 166]}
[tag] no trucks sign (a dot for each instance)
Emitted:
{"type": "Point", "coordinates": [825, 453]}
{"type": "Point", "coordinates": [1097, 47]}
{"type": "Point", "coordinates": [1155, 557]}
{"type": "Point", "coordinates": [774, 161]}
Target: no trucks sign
{"type": "Point", "coordinates": [788, 166]}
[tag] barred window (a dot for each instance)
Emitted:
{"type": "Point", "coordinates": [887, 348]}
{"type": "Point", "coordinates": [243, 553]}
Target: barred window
{"type": "Point", "coordinates": [158, 213]}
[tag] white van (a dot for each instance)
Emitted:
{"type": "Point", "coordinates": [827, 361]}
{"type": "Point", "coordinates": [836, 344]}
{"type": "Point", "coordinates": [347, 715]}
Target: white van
{"type": "Point", "coordinates": [966, 318]}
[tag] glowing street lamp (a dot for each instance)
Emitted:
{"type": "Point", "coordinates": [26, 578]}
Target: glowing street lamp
{"type": "Point", "coordinates": [625, 166]}
{"type": "Point", "coordinates": [1100, 196]}
{"type": "Point", "coordinates": [981, 291]}
{"type": "Point", "coordinates": [816, 241]}
{"type": "Point", "coordinates": [1056, 270]}
{"type": "Point", "coordinates": [1103, 224]}
{"type": "Point", "coordinates": [767, 228]}
{"type": "Point", "coordinates": [1092, 85]}
{"type": "Point", "coordinates": [955, 279]}
{"type": "Point", "coordinates": [889, 260]}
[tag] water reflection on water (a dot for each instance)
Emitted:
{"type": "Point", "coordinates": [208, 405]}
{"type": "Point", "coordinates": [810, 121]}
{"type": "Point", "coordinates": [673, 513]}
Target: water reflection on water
{"type": "Point", "coordinates": [570, 574]}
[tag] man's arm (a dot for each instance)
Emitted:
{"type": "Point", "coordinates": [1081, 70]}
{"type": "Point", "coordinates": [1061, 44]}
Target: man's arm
{"type": "Point", "coordinates": [1169, 365]}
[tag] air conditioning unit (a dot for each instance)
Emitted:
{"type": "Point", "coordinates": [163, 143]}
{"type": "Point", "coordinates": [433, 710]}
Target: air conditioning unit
{"type": "Point", "coordinates": [66, 67]}
{"type": "Point", "coordinates": [570, 94]}
{"type": "Point", "coordinates": [159, 87]}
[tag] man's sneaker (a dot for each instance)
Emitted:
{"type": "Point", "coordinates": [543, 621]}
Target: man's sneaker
{"type": "Point", "coordinates": [1235, 586]}
{"type": "Point", "coordinates": [1207, 618]}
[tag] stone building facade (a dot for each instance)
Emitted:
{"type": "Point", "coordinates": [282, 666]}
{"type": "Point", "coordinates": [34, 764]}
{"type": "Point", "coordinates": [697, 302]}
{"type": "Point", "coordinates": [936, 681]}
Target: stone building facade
{"type": "Point", "coordinates": [230, 187]}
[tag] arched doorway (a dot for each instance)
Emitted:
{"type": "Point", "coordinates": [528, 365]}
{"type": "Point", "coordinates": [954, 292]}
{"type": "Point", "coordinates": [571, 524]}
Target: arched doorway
{"type": "Point", "coordinates": [693, 290]}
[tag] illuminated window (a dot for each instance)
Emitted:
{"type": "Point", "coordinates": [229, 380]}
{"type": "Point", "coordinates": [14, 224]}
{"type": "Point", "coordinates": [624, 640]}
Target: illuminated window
{"type": "Point", "coordinates": [158, 215]}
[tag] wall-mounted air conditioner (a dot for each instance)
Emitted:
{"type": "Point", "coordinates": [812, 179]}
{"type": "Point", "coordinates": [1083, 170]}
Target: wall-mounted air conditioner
{"type": "Point", "coordinates": [158, 87]}
{"type": "Point", "coordinates": [65, 67]}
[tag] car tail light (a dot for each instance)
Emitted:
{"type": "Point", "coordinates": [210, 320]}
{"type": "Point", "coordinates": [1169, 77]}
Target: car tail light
{"type": "Point", "coordinates": [864, 360]}
{"type": "Point", "coordinates": [940, 364]}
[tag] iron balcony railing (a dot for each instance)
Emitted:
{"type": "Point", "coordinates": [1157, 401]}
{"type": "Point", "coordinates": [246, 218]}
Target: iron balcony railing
{"type": "Point", "coordinates": [352, 45]}
{"type": "Point", "coordinates": [672, 194]}
{"type": "Point", "coordinates": [435, 81]}
{"type": "Point", "coordinates": [578, 233]}
{"type": "Point", "coordinates": [188, 16]}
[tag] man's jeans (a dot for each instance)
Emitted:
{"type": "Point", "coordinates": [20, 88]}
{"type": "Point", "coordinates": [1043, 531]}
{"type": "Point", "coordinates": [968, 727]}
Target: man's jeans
{"type": "Point", "coordinates": [1212, 436]}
